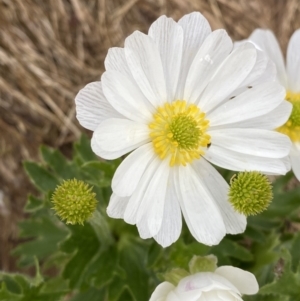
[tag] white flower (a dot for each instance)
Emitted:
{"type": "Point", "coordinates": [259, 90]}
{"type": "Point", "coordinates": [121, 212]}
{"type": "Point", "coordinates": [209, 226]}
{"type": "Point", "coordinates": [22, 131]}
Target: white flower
{"type": "Point", "coordinates": [289, 76]}
{"type": "Point", "coordinates": [180, 98]}
{"type": "Point", "coordinates": [225, 284]}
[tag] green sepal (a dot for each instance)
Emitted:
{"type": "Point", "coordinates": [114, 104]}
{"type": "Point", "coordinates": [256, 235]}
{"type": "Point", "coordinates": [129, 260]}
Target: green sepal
{"type": "Point", "coordinates": [175, 275]}
{"type": "Point", "coordinates": [203, 264]}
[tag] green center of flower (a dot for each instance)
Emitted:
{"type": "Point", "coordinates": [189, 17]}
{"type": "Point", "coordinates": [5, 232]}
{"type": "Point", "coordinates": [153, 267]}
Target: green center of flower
{"type": "Point", "coordinates": [178, 132]}
{"type": "Point", "coordinates": [250, 192]}
{"type": "Point", "coordinates": [185, 131]}
{"type": "Point", "coordinates": [295, 116]}
{"type": "Point", "coordinates": [74, 201]}
{"type": "Point", "coordinates": [292, 127]}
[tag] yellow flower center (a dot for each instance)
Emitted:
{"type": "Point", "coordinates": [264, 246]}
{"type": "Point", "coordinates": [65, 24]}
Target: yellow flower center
{"type": "Point", "coordinates": [292, 127]}
{"type": "Point", "coordinates": [178, 132]}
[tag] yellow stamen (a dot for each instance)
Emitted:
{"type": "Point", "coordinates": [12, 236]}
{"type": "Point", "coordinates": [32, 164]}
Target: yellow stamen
{"type": "Point", "coordinates": [292, 127]}
{"type": "Point", "coordinates": [178, 132]}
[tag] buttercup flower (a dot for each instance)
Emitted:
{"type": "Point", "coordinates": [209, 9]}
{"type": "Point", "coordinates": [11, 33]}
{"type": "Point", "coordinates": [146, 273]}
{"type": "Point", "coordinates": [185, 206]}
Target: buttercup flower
{"type": "Point", "coordinates": [179, 98]}
{"type": "Point", "coordinates": [289, 76]}
{"type": "Point", "coordinates": [226, 283]}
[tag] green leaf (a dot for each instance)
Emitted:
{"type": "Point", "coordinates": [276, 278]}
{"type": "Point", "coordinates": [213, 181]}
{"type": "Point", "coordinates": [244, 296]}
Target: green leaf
{"type": "Point", "coordinates": [45, 234]}
{"type": "Point", "coordinates": [104, 261]}
{"type": "Point", "coordinates": [16, 287]}
{"type": "Point", "coordinates": [83, 151]}
{"type": "Point", "coordinates": [40, 176]}
{"type": "Point", "coordinates": [132, 258]}
{"type": "Point", "coordinates": [84, 244]}
{"type": "Point", "coordinates": [181, 253]}
{"type": "Point", "coordinates": [116, 289]}
{"type": "Point", "coordinates": [59, 164]}
{"type": "Point", "coordinates": [92, 294]}
{"type": "Point", "coordinates": [230, 249]}
{"type": "Point", "coordinates": [265, 253]}
{"type": "Point", "coordinates": [288, 284]}
{"type": "Point", "coordinates": [33, 204]}
{"type": "Point", "coordinates": [295, 252]}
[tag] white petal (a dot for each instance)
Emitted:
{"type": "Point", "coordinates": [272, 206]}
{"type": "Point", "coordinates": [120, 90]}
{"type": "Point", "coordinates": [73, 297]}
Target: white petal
{"type": "Point", "coordinates": [218, 187]}
{"type": "Point", "coordinates": [116, 61]}
{"type": "Point", "coordinates": [118, 136]}
{"type": "Point", "coordinates": [215, 48]}
{"type": "Point", "coordinates": [293, 62]}
{"type": "Point", "coordinates": [108, 155]}
{"type": "Point", "coordinates": [172, 222]}
{"type": "Point", "coordinates": [200, 212]}
{"type": "Point", "coordinates": [266, 41]}
{"type": "Point", "coordinates": [230, 74]}
{"type": "Point", "coordinates": [204, 282]}
{"type": "Point", "coordinates": [269, 121]}
{"type": "Point", "coordinates": [269, 74]}
{"type": "Point", "coordinates": [161, 292]}
{"type": "Point", "coordinates": [143, 228]}
{"type": "Point", "coordinates": [231, 160]}
{"type": "Point", "coordinates": [92, 107]}
{"type": "Point", "coordinates": [258, 74]}
{"type": "Point", "coordinates": [195, 28]}
{"type": "Point", "coordinates": [252, 103]}
{"type": "Point", "coordinates": [138, 195]}
{"type": "Point", "coordinates": [256, 142]}
{"type": "Point", "coordinates": [244, 281]}
{"type": "Point", "coordinates": [145, 64]}
{"type": "Point", "coordinates": [116, 206]}
{"type": "Point", "coordinates": [168, 37]}
{"type": "Point", "coordinates": [154, 198]}
{"type": "Point", "coordinates": [129, 173]}
{"type": "Point", "coordinates": [295, 159]}
{"type": "Point", "coordinates": [123, 94]}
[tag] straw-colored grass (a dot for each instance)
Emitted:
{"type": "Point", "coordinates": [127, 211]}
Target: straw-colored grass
{"type": "Point", "coordinates": [49, 49]}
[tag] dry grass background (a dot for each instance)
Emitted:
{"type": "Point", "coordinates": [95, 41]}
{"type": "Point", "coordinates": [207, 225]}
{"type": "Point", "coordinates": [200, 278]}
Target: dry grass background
{"type": "Point", "coordinates": [49, 49]}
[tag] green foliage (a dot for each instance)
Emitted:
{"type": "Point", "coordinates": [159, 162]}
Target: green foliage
{"type": "Point", "coordinates": [105, 260]}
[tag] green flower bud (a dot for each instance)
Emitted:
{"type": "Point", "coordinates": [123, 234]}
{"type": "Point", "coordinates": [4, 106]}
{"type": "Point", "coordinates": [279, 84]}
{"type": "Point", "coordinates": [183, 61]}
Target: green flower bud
{"type": "Point", "coordinates": [250, 192]}
{"type": "Point", "coordinates": [74, 201]}
{"type": "Point", "coordinates": [203, 264]}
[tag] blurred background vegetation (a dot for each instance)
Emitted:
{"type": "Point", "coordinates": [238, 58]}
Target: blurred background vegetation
{"type": "Point", "coordinates": [49, 49]}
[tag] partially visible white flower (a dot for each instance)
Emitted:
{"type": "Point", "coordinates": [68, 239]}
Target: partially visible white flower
{"type": "Point", "coordinates": [227, 283]}
{"type": "Point", "coordinates": [179, 98]}
{"type": "Point", "coordinates": [289, 76]}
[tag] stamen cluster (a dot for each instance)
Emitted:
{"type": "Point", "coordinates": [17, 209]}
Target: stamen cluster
{"type": "Point", "coordinates": [292, 127]}
{"type": "Point", "coordinates": [178, 132]}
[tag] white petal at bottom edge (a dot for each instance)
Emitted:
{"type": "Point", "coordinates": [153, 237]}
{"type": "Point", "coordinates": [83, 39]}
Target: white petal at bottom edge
{"type": "Point", "coordinates": [244, 281]}
{"type": "Point", "coordinates": [161, 291]}
{"type": "Point", "coordinates": [136, 198]}
{"type": "Point", "coordinates": [234, 222]}
{"type": "Point", "coordinates": [115, 137]}
{"type": "Point", "coordinates": [130, 171]}
{"type": "Point", "coordinates": [232, 160]}
{"type": "Point", "coordinates": [116, 206]}
{"type": "Point", "coordinates": [200, 212]}
{"type": "Point", "coordinates": [295, 159]}
{"type": "Point", "coordinates": [153, 201]}
{"type": "Point", "coordinates": [172, 221]}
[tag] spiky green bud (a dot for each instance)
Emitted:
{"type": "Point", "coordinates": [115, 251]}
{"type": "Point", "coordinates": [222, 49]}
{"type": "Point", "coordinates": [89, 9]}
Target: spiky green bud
{"type": "Point", "coordinates": [250, 192]}
{"type": "Point", "coordinates": [74, 201]}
